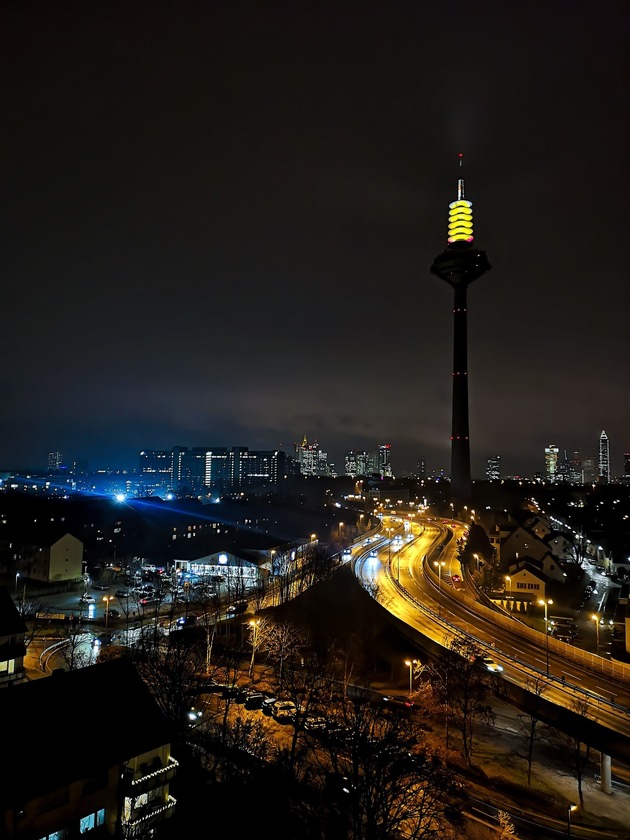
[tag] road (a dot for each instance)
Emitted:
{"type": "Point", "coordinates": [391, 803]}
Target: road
{"type": "Point", "coordinates": [419, 593]}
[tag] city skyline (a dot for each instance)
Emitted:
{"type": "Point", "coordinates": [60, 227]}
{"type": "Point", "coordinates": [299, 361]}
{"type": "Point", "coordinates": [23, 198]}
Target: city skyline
{"type": "Point", "coordinates": [584, 465]}
{"type": "Point", "coordinates": [220, 223]}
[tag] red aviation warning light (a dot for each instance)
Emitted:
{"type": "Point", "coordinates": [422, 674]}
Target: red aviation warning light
{"type": "Point", "coordinates": [460, 221]}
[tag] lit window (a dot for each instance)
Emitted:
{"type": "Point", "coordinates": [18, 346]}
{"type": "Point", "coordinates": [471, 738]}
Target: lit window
{"type": "Point", "coordinates": [87, 823]}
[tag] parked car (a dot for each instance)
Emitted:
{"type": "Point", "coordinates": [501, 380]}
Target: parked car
{"type": "Point", "coordinates": [102, 587]}
{"type": "Point", "coordinates": [193, 716]}
{"type": "Point", "coordinates": [315, 723]}
{"type": "Point", "coordinates": [87, 599]}
{"type": "Point", "coordinates": [254, 700]}
{"type": "Point", "coordinates": [112, 612]}
{"type": "Point", "coordinates": [186, 620]}
{"type": "Point", "coordinates": [284, 711]}
{"type": "Point", "coordinates": [229, 692]}
{"type": "Point", "coordinates": [103, 639]}
{"type": "Point", "coordinates": [268, 704]}
{"type": "Point", "coordinates": [122, 593]}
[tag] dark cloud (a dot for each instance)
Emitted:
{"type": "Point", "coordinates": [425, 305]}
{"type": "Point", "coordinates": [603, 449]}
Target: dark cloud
{"type": "Point", "coordinates": [220, 218]}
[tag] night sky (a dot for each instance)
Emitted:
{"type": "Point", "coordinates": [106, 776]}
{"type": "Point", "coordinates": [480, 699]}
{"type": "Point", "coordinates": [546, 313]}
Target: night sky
{"type": "Point", "coordinates": [219, 221]}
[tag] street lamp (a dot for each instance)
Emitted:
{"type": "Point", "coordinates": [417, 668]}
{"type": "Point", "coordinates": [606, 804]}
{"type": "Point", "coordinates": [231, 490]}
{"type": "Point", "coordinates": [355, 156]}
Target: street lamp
{"type": "Point", "coordinates": [254, 622]}
{"type": "Point", "coordinates": [439, 564]}
{"type": "Point", "coordinates": [17, 574]}
{"type": "Point", "coordinates": [570, 808]}
{"type": "Point", "coordinates": [545, 604]}
{"type": "Point", "coordinates": [509, 580]}
{"type": "Point", "coordinates": [595, 618]}
{"type": "Point", "coordinates": [107, 599]}
{"type": "Point", "coordinates": [410, 663]}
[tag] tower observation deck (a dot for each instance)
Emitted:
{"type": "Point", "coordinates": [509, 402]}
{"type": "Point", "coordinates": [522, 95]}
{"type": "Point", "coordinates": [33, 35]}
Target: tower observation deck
{"type": "Point", "coordinates": [458, 265]}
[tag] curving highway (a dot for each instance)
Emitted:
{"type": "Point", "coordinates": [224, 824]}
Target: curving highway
{"type": "Point", "coordinates": [415, 585]}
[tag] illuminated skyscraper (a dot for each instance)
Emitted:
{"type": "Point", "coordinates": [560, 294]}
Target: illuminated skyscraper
{"type": "Point", "coordinates": [551, 462]}
{"type": "Point", "coordinates": [493, 468]}
{"type": "Point", "coordinates": [384, 454]}
{"type": "Point", "coordinates": [54, 461]}
{"type": "Point", "coordinates": [459, 264]}
{"type": "Point", "coordinates": [603, 466]}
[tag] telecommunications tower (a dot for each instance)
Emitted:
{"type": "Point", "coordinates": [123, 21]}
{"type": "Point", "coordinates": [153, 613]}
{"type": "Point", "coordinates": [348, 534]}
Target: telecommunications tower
{"type": "Point", "coordinates": [459, 264]}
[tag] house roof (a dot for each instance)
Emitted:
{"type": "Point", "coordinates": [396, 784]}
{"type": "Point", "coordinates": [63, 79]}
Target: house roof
{"type": "Point", "coordinates": [532, 568]}
{"type": "Point", "coordinates": [73, 724]}
{"type": "Point", "coordinates": [11, 622]}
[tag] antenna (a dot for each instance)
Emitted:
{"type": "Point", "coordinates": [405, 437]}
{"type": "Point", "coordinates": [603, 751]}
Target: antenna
{"type": "Point", "coordinates": [460, 182]}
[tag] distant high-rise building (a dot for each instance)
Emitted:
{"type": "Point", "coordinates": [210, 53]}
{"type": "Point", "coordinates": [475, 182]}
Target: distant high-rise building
{"type": "Point", "coordinates": [589, 471]}
{"type": "Point", "coordinates": [551, 462]}
{"type": "Point", "coordinates": [200, 469]}
{"type": "Point", "coordinates": [603, 464]}
{"type": "Point", "coordinates": [350, 463]}
{"type": "Point", "coordinates": [54, 461]}
{"type": "Point", "coordinates": [626, 464]}
{"type": "Point", "coordinates": [576, 470]}
{"type": "Point", "coordinates": [156, 474]}
{"type": "Point", "coordinates": [384, 454]}
{"type": "Point", "coordinates": [422, 467]}
{"type": "Point", "coordinates": [310, 458]}
{"type": "Point", "coordinates": [459, 265]}
{"type": "Point", "coordinates": [493, 468]}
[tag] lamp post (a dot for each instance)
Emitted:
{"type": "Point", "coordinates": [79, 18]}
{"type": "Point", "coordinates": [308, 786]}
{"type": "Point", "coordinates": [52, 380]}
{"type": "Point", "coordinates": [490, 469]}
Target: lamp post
{"type": "Point", "coordinates": [410, 663]}
{"type": "Point", "coordinates": [254, 622]}
{"type": "Point", "coordinates": [439, 564]}
{"type": "Point", "coordinates": [509, 580]}
{"type": "Point", "coordinates": [595, 618]}
{"type": "Point", "coordinates": [570, 808]}
{"type": "Point", "coordinates": [17, 574]}
{"type": "Point", "coordinates": [476, 556]}
{"type": "Point", "coordinates": [107, 599]}
{"type": "Point", "coordinates": [545, 604]}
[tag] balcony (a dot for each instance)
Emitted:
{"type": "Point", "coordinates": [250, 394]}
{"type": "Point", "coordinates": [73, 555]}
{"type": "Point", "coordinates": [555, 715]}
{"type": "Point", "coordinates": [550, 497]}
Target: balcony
{"type": "Point", "coordinates": [149, 777]}
{"type": "Point", "coordinates": [148, 818]}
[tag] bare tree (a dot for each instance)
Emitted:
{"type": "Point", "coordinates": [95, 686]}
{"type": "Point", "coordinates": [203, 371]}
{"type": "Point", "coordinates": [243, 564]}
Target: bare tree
{"type": "Point", "coordinates": [282, 641]}
{"type": "Point", "coordinates": [76, 648]}
{"type": "Point", "coordinates": [385, 781]}
{"type": "Point", "coordinates": [506, 826]}
{"type": "Point", "coordinates": [536, 687]}
{"type": "Point", "coordinates": [573, 739]}
{"type": "Point", "coordinates": [463, 686]}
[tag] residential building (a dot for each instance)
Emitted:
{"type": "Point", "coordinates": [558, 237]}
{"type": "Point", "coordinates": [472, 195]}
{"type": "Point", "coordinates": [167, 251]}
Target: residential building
{"type": "Point", "coordinates": [12, 640]}
{"type": "Point", "coordinates": [202, 469]}
{"type": "Point", "coordinates": [526, 582]}
{"type": "Point", "coordinates": [51, 556]}
{"type": "Point", "coordinates": [64, 784]}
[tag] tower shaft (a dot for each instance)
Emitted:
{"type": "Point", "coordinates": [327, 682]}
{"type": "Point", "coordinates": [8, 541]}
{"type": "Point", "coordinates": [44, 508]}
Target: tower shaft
{"type": "Point", "coordinates": [459, 265]}
{"type": "Point", "coordinates": [461, 481]}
